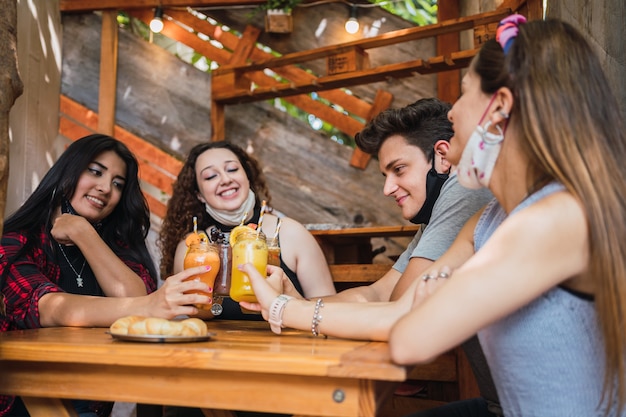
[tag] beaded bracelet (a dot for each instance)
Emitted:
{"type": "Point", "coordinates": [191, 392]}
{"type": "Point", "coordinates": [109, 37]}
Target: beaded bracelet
{"type": "Point", "coordinates": [317, 318]}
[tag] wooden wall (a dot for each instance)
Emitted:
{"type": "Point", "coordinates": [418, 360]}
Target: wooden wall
{"type": "Point", "coordinates": [34, 118]}
{"type": "Point", "coordinates": [603, 22]}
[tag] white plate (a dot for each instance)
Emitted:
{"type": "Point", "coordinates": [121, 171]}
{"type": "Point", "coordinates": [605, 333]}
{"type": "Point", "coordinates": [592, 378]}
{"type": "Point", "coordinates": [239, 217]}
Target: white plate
{"type": "Point", "coordinates": [160, 339]}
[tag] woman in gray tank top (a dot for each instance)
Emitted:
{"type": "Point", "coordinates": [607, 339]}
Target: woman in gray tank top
{"type": "Point", "coordinates": [540, 273]}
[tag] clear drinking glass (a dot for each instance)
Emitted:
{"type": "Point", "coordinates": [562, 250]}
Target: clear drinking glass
{"type": "Point", "coordinates": [273, 251]}
{"type": "Point", "coordinates": [203, 253]}
{"type": "Point", "coordinates": [249, 247]}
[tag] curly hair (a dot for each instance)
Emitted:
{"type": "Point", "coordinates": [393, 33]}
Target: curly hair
{"type": "Point", "coordinates": [184, 204]}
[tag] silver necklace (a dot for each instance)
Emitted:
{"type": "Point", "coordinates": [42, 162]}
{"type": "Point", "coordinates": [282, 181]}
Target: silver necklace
{"type": "Point", "coordinates": [79, 278]}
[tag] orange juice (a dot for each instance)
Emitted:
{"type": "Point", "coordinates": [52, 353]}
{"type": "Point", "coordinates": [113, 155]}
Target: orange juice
{"type": "Point", "coordinates": [199, 254]}
{"type": "Point", "coordinates": [249, 247]}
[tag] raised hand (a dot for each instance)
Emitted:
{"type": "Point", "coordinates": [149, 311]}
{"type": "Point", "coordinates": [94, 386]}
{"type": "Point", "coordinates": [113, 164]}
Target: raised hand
{"type": "Point", "coordinates": [265, 289]}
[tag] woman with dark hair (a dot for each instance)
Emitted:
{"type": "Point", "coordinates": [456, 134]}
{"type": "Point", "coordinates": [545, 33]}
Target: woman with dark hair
{"type": "Point", "coordinates": [74, 253]}
{"type": "Point", "coordinates": [222, 185]}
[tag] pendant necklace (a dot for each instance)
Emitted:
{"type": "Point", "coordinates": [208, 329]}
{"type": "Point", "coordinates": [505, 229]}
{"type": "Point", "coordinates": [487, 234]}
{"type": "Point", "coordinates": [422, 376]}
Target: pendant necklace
{"type": "Point", "coordinates": [79, 278]}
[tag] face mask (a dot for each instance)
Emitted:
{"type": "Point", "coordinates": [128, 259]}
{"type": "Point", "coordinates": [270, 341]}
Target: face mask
{"type": "Point", "coordinates": [480, 155]}
{"type": "Point", "coordinates": [235, 217]}
{"type": "Point", "coordinates": [434, 182]}
{"type": "Point", "coordinates": [66, 207]}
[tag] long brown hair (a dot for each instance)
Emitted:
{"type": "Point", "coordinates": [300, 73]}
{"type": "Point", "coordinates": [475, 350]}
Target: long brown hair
{"type": "Point", "coordinates": [573, 133]}
{"type": "Point", "coordinates": [184, 204]}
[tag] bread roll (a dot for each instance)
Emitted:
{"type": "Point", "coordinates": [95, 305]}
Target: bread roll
{"type": "Point", "coordinates": [194, 327]}
{"type": "Point", "coordinates": [138, 328]}
{"type": "Point", "coordinates": [154, 326]}
{"type": "Point", "coordinates": [121, 325]}
{"type": "Point", "coordinates": [157, 326]}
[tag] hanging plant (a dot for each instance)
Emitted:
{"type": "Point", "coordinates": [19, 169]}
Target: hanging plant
{"type": "Point", "coordinates": [284, 5]}
{"type": "Point", "coordinates": [278, 17]}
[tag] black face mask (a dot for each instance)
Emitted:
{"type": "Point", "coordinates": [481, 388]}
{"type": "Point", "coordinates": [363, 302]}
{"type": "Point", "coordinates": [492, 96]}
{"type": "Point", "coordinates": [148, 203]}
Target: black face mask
{"type": "Point", "coordinates": [434, 182]}
{"type": "Point", "coordinates": [66, 207]}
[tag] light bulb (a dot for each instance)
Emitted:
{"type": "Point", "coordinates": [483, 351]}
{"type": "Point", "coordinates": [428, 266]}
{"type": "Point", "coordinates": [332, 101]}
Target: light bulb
{"type": "Point", "coordinates": [352, 25]}
{"type": "Point", "coordinates": [156, 24]}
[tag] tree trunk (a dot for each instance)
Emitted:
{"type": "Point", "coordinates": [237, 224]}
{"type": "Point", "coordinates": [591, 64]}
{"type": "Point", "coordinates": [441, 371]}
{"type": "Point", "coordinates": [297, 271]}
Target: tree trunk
{"type": "Point", "coordinates": [11, 88]}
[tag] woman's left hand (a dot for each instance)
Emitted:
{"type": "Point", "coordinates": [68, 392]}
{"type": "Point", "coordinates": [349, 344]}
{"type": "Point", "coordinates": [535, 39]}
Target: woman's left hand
{"type": "Point", "coordinates": [264, 288]}
{"type": "Point", "coordinates": [67, 225]}
{"type": "Point", "coordinates": [429, 283]}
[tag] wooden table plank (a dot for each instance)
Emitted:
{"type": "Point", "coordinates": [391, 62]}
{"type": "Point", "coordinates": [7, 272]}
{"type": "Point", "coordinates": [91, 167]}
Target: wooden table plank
{"type": "Point", "coordinates": [376, 231]}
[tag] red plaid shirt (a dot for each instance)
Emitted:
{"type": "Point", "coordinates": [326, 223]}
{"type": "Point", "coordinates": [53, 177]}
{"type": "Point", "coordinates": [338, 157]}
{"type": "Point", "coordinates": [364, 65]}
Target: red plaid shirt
{"type": "Point", "coordinates": [28, 279]}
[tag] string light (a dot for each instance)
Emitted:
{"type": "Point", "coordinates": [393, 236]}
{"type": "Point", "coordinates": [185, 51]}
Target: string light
{"type": "Point", "coordinates": [352, 24]}
{"type": "Point", "coordinates": [156, 24]}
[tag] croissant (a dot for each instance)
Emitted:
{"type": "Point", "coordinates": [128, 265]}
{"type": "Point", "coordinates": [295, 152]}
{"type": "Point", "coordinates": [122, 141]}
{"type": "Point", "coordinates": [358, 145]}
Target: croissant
{"type": "Point", "coordinates": [194, 327]}
{"type": "Point", "coordinates": [143, 326]}
{"type": "Point", "coordinates": [120, 326]}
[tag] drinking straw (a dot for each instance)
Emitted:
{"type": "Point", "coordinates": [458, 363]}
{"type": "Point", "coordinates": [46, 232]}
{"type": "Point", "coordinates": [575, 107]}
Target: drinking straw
{"type": "Point", "coordinates": [195, 224]}
{"type": "Point", "coordinates": [245, 216]}
{"type": "Point", "coordinates": [263, 207]}
{"type": "Point", "coordinates": [280, 221]}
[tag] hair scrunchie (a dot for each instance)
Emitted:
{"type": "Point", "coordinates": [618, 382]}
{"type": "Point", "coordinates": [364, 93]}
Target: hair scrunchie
{"type": "Point", "coordinates": [507, 30]}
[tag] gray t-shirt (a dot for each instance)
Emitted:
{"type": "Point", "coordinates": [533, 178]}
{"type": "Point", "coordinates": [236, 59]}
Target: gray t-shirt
{"type": "Point", "coordinates": [455, 205]}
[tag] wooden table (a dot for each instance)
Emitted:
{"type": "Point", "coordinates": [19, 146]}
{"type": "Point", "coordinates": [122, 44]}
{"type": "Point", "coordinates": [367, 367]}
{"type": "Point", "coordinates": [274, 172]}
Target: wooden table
{"type": "Point", "coordinates": [353, 245]}
{"type": "Point", "coordinates": [243, 367]}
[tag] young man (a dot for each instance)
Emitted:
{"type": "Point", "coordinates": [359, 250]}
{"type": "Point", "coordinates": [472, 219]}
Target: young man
{"type": "Point", "coordinates": [411, 144]}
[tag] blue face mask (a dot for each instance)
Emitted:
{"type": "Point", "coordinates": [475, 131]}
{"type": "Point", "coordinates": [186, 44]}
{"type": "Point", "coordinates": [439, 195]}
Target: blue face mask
{"type": "Point", "coordinates": [434, 182]}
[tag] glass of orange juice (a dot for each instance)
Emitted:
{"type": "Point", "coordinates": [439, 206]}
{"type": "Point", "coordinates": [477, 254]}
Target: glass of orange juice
{"type": "Point", "coordinates": [203, 253]}
{"type": "Point", "coordinates": [248, 247]}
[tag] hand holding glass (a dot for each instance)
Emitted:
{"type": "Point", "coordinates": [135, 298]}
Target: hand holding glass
{"type": "Point", "coordinates": [203, 253]}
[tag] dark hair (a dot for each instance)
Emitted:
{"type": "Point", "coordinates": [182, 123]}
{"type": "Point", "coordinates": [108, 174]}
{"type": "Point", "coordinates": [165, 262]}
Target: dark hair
{"type": "Point", "coordinates": [184, 203]}
{"type": "Point", "coordinates": [422, 124]}
{"type": "Point", "coordinates": [129, 222]}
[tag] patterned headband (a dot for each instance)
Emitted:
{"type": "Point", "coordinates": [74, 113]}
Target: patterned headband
{"type": "Point", "coordinates": [508, 29]}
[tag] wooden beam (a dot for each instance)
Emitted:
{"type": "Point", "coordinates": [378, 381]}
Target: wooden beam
{"type": "Point", "coordinates": [91, 5]}
{"type": "Point", "coordinates": [218, 125]}
{"type": "Point", "coordinates": [246, 44]}
{"type": "Point", "coordinates": [108, 73]}
{"type": "Point", "coordinates": [433, 65]}
{"type": "Point", "coordinates": [389, 38]}
{"type": "Point", "coordinates": [448, 82]}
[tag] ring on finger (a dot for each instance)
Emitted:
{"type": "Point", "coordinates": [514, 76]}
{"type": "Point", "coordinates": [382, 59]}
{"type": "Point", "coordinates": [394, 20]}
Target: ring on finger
{"type": "Point", "coordinates": [443, 275]}
{"type": "Point", "coordinates": [426, 277]}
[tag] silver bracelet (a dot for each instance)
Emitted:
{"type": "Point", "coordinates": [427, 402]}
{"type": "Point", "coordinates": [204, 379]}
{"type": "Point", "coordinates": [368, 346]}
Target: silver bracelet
{"type": "Point", "coordinates": [317, 318]}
